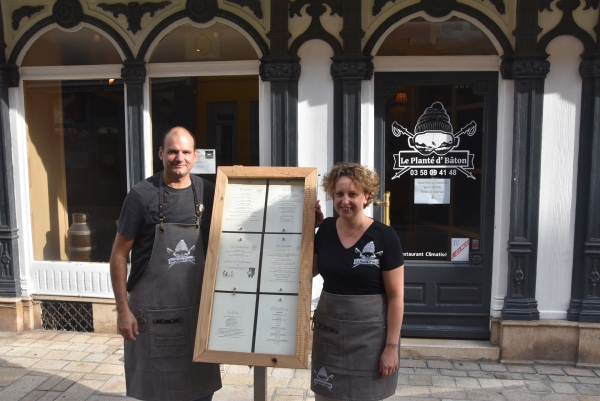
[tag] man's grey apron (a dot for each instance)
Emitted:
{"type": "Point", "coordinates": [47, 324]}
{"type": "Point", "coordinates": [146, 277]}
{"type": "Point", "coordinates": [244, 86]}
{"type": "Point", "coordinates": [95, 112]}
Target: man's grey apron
{"type": "Point", "coordinates": [165, 301]}
{"type": "Point", "coordinates": [349, 335]}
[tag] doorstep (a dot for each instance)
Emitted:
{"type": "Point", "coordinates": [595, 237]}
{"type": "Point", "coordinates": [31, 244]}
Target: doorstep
{"type": "Point", "coordinates": [470, 350]}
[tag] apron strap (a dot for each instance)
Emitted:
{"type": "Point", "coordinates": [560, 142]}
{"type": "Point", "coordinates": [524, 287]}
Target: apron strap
{"type": "Point", "coordinates": [198, 207]}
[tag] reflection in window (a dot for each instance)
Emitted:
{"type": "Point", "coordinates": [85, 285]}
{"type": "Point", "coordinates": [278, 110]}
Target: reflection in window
{"type": "Point", "coordinates": [222, 113]}
{"type": "Point", "coordinates": [218, 42]}
{"type": "Point", "coordinates": [77, 166]}
{"type": "Point", "coordinates": [420, 37]}
{"type": "Point", "coordinates": [84, 47]}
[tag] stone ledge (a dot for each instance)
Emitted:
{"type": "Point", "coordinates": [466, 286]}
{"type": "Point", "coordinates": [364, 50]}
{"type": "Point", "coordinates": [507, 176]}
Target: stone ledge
{"type": "Point", "coordinates": [19, 314]}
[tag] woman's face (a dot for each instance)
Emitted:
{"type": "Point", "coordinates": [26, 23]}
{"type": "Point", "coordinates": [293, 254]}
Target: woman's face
{"type": "Point", "coordinates": [348, 200]}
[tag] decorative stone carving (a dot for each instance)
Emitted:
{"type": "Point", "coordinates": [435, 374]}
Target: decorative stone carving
{"type": "Point", "coordinates": [594, 277]}
{"type": "Point", "coordinates": [279, 70]}
{"type": "Point", "coordinates": [253, 5]}
{"type": "Point", "coordinates": [438, 8]}
{"type": "Point", "coordinates": [589, 68]}
{"type": "Point", "coordinates": [499, 5]}
{"type": "Point", "coordinates": [133, 71]}
{"type": "Point", "coordinates": [67, 13]}
{"type": "Point", "coordinates": [378, 5]}
{"type": "Point", "coordinates": [545, 5]}
{"type": "Point", "coordinates": [315, 7]}
{"type": "Point", "coordinates": [133, 12]}
{"type": "Point", "coordinates": [476, 258]}
{"type": "Point", "coordinates": [201, 11]}
{"type": "Point", "coordinates": [9, 75]}
{"type": "Point", "coordinates": [591, 4]}
{"type": "Point", "coordinates": [352, 70]}
{"type": "Point", "coordinates": [6, 263]}
{"type": "Point", "coordinates": [531, 69]}
{"type": "Point", "coordinates": [22, 12]}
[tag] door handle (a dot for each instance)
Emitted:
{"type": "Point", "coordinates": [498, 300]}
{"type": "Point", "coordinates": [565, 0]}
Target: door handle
{"type": "Point", "coordinates": [386, 207]}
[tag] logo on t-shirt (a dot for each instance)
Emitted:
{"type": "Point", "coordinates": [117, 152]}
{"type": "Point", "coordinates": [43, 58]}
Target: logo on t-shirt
{"type": "Point", "coordinates": [181, 254]}
{"type": "Point", "coordinates": [368, 256]}
{"type": "Point", "coordinates": [322, 379]}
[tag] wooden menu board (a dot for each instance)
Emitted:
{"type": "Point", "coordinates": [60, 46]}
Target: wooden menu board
{"type": "Point", "coordinates": [255, 305]}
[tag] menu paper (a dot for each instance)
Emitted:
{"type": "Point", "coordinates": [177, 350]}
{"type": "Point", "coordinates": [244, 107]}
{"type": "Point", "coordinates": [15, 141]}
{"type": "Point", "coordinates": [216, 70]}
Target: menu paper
{"type": "Point", "coordinates": [281, 263]}
{"type": "Point", "coordinates": [276, 325]}
{"type": "Point", "coordinates": [232, 322]}
{"type": "Point", "coordinates": [244, 205]}
{"type": "Point", "coordinates": [239, 258]}
{"type": "Point", "coordinates": [285, 206]}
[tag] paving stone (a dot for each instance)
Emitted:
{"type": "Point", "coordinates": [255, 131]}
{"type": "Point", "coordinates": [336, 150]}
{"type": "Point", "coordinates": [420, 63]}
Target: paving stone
{"type": "Point", "coordinates": [563, 388]}
{"type": "Point", "coordinates": [80, 367]}
{"type": "Point", "coordinates": [520, 369]}
{"type": "Point", "coordinates": [420, 380]}
{"type": "Point", "coordinates": [21, 362]}
{"type": "Point", "coordinates": [21, 387]}
{"type": "Point", "coordinates": [520, 396]}
{"type": "Point", "coordinates": [538, 387]}
{"type": "Point", "coordinates": [491, 383]}
{"type": "Point", "coordinates": [453, 373]}
{"type": "Point", "coordinates": [36, 353]}
{"type": "Point", "coordinates": [549, 370]}
{"type": "Point", "coordinates": [50, 364]}
{"type": "Point", "coordinates": [299, 383]}
{"type": "Point", "coordinates": [587, 389]}
{"type": "Point", "coordinates": [238, 379]}
{"type": "Point", "coordinates": [96, 357]}
{"type": "Point", "coordinates": [467, 382]}
{"type": "Point", "coordinates": [63, 337]}
{"type": "Point", "coordinates": [115, 341]}
{"type": "Point", "coordinates": [516, 385]}
{"type": "Point", "coordinates": [50, 383]}
{"type": "Point", "coordinates": [290, 392]}
{"type": "Point", "coordinates": [508, 376]}
{"type": "Point", "coordinates": [484, 395]}
{"type": "Point", "coordinates": [559, 397]}
{"type": "Point", "coordinates": [41, 344]}
{"type": "Point", "coordinates": [67, 382]}
{"type": "Point", "coordinates": [109, 369]}
{"type": "Point", "coordinates": [114, 385]}
{"type": "Point", "coordinates": [443, 381]}
{"type": "Point", "coordinates": [75, 356]}
{"type": "Point", "coordinates": [80, 338]}
{"type": "Point", "coordinates": [403, 379]}
{"type": "Point", "coordinates": [239, 369]}
{"type": "Point", "coordinates": [82, 346]}
{"type": "Point", "coordinates": [466, 366]}
{"type": "Point", "coordinates": [302, 374]}
{"type": "Point", "coordinates": [102, 397]}
{"type": "Point", "coordinates": [406, 371]}
{"type": "Point", "coordinates": [114, 359]}
{"type": "Point", "coordinates": [587, 398]}
{"type": "Point", "coordinates": [579, 372]}
{"type": "Point", "coordinates": [56, 354]}
{"type": "Point", "coordinates": [493, 367]}
{"type": "Point", "coordinates": [81, 390]}
{"type": "Point", "coordinates": [588, 380]}
{"type": "Point", "coordinates": [412, 363]}
{"type": "Point", "coordinates": [439, 364]}
{"type": "Point", "coordinates": [285, 373]}
{"type": "Point", "coordinates": [412, 391]}
{"type": "Point", "coordinates": [425, 371]}
{"type": "Point", "coordinates": [33, 396]}
{"type": "Point", "coordinates": [480, 374]}
{"type": "Point", "coordinates": [535, 377]}
{"type": "Point", "coordinates": [563, 379]}
{"type": "Point", "coordinates": [17, 351]}
{"type": "Point", "coordinates": [97, 376]}
{"type": "Point", "coordinates": [97, 340]}
{"type": "Point", "coordinates": [448, 393]}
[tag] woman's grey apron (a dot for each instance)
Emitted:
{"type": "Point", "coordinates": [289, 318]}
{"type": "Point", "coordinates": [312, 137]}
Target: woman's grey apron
{"type": "Point", "coordinates": [349, 335]}
{"type": "Point", "coordinates": [165, 301]}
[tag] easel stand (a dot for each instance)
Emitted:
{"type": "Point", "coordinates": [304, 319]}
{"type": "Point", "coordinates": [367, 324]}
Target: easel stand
{"type": "Point", "coordinates": [260, 383]}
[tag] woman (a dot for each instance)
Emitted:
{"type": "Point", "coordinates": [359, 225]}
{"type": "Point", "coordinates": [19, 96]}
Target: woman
{"type": "Point", "coordinates": [357, 322]}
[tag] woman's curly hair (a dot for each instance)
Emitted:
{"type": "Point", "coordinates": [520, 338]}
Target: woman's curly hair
{"type": "Point", "coordinates": [364, 179]}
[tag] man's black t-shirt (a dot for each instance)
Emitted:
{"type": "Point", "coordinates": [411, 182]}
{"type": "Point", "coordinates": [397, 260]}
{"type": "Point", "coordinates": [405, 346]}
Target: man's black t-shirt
{"type": "Point", "coordinates": [139, 217]}
{"type": "Point", "coordinates": [356, 270]}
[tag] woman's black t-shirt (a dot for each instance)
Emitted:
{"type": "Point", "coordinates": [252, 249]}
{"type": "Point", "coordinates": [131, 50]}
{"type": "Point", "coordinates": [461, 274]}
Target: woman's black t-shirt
{"type": "Point", "coordinates": [356, 270]}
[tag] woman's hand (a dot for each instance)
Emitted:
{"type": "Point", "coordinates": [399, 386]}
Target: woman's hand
{"type": "Point", "coordinates": [388, 363]}
{"type": "Point", "coordinates": [319, 217]}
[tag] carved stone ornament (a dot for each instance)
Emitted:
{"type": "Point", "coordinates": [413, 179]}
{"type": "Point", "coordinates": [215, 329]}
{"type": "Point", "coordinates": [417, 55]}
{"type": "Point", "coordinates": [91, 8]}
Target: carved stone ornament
{"type": "Point", "coordinates": [545, 5]}
{"type": "Point", "coordinates": [6, 264]}
{"type": "Point", "coordinates": [352, 70]}
{"type": "Point", "coordinates": [279, 71]}
{"type": "Point", "coordinates": [499, 5]}
{"type": "Point", "coordinates": [22, 12]}
{"type": "Point", "coordinates": [530, 68]}
{"type": "Point", "coordinates": [315, 7]}
{"type": "Point", "coordinates": [590, 68]}
{"type": "Point", "coordinates": [594, 277]}
{"type": "Point", "coordinates": [133, 72]}
{"type": "Point", "coordinates": [476, 258]}
{"type": "Point", "coordinates": [378, 5]}
{"type": "Point", "coordinates": [201, 11]}
{"type": "Point", "coordinates": [591, 4]}
{"type": "Point", "coordinates": [133, 12]}
{"type": "Point", "coordinates": [67, 13]}
{"type": "Point", "coordinates": [253, 5]}
{"type": "Point", "coordinates": [519, 276]}
{"type": "Point", "coordinates": [438, 8]}
{"type": "Point", "coordinates": [506, 68]}
{"type": "Point", "coordinates": [9, 75]}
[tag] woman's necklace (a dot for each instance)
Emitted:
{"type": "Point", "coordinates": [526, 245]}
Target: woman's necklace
{"type": "Point", "coordinates": [346, 232]}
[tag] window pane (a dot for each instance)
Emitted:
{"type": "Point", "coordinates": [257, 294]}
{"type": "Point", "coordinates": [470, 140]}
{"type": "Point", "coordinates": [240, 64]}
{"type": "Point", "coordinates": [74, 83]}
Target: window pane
{"type": "Point", "coordinates": [218, 42]}
{"type": "Point", "coordinates": [84, 47]}
{"type": "Point", "coordinates": [420, 37]}
{"type": "Point", "coordinates": [77, 167]}
{"type": "Point", "coordinates": [220, 111]}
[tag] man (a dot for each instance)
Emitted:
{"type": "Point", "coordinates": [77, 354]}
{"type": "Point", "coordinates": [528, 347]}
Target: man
{"type": "Point", "coordinates": [164, 222]}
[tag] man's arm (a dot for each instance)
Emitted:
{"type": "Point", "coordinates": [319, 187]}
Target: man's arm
{"type": "Point", "coordinates": [126, 321]}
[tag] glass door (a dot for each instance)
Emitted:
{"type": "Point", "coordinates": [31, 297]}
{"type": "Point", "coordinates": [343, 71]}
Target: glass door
{"type": "Point", "coordinates": [436, 146]}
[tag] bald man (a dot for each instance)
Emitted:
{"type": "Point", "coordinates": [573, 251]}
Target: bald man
{"type": "Point", "coordinates": [164, 222]}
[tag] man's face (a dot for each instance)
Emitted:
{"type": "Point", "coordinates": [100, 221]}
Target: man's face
{"type": "Point", "coordinates": [179, 155]}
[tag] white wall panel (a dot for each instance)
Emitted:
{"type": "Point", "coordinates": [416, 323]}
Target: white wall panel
{"type": "Point", "coordinates": [560, 134]}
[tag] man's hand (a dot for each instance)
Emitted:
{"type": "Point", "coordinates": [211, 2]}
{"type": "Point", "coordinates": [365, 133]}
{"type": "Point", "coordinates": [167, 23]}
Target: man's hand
{"type": "Point", "coordinates": [319, 217]}
{"type": "Point", "coordinates": [127, 324]}
{"type": "Point", "coordinates": [388, 363]}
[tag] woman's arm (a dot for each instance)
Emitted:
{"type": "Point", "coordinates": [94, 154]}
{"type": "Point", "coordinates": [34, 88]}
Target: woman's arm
{"type": "Point", "coordinates": [315, 269]}
{"type": "Point", "coordinates": [393, 281]}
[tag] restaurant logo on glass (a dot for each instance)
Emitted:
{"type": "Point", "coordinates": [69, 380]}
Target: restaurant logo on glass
{"type": "Point", "coordinates": [433, 143]}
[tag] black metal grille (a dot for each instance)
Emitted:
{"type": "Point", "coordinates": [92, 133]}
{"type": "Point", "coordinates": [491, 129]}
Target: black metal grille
{"type": "Point", "coordinates": [69, 316]}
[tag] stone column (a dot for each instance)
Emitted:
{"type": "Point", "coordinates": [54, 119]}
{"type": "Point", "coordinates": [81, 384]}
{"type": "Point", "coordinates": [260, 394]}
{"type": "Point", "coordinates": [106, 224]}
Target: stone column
{"type": "Point", "coordinates": [134, 76]}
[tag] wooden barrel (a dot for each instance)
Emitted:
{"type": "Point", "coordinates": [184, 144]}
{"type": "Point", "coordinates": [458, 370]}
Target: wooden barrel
{"type": "Point", "coordinates": [82, 245]}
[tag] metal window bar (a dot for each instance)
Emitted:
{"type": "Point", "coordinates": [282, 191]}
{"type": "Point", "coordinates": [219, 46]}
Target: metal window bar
{"type": "Point", "coordinates": [68, 316]}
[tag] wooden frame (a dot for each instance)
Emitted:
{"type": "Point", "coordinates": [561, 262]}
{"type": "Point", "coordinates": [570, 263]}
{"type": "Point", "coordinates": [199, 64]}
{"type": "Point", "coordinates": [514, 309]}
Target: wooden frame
{"type": "Point", "coordinates": [300, 357]}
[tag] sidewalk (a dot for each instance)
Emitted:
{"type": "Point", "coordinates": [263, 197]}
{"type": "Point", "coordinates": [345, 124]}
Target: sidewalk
{"type": "Point", "coordinates": [67, 366]}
